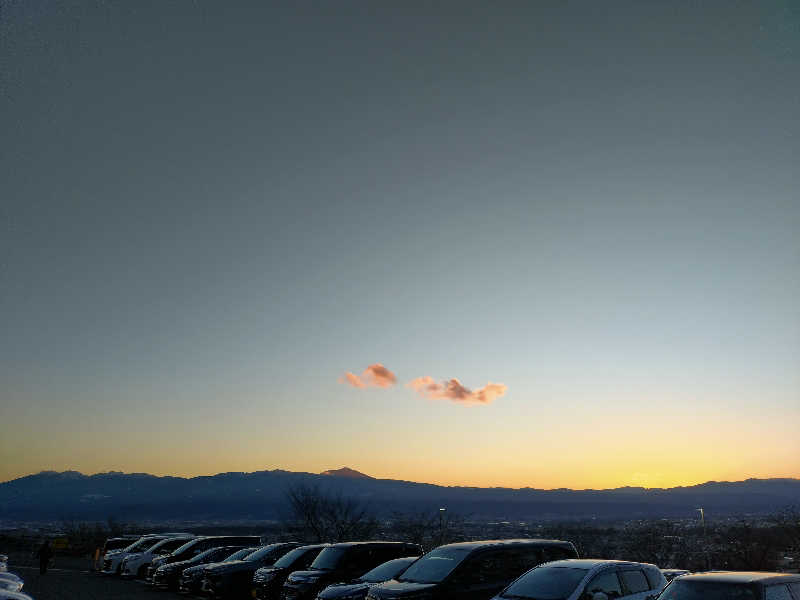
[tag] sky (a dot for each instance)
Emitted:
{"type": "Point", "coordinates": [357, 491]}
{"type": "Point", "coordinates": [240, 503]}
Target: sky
{"type": "Point", "coordinates": [534, 244]}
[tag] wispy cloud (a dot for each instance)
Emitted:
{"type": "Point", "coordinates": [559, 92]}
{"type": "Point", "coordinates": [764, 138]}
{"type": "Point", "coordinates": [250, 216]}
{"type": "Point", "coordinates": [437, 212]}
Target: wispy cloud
{"type": "Point", "coordinates": [455, 391]}
{"type": "Point", "coordinates": [375, 375]}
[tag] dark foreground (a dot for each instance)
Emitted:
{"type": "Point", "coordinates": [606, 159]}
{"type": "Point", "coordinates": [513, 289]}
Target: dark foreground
{"type": "Point", "coordinates": [71, 584]}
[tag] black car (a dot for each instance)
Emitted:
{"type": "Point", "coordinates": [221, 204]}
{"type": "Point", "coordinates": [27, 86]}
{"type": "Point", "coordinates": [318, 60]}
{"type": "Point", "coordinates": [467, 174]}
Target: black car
{"type": "Point", "coordinates": [343, 562]}
{"type": "Point", "coordinates": [726, 585]}
{"type": "Point", "coordinates": [192, 577]}
{"type": "Point", "coordinates": [200, 545]}
{"type": "Point", "coordinates": [168, 576]}
{"type": "Point", "coordinates": [357, 590]}
{"type": "Point", "coordinates": [470, 570]}
{"type": "Point", "coordinates": [268, 581]}
{"type": "Point", "coordinates": [233, 579]}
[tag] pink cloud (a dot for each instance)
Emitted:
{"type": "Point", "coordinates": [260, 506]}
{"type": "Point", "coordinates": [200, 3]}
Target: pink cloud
{"type": "Point", "coordinates": [453, 390]}
{"type": "Point", "coordinates": [352, 379]}
{"type": "Point", "coordinates": [375, 375]}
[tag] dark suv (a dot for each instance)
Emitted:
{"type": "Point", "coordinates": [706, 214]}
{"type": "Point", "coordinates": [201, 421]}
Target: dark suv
{"type": "Point", "coordinates": [738, 585]}
{"type": "Point", "coordinates": [198, 545]}
{"type": "Point", "coordinates": [192, 577]}
{"type": "Point", "coordinates": [343, 562]}
{"type": "Point", "coordinates": [167, 576]}
{"type": "Point", "coordinates": [470, 570]}
{"type": "Point", "coordinates": [268, 581]}
{"type": "Point", "coordinates": [233, 579]}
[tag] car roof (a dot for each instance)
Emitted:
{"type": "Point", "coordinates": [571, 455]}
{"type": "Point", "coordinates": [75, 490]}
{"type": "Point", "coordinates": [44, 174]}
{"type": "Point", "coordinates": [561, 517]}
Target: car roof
{"type": "Point", "coordinates": [742, 577]}
{"type": "Point", "coordinates": [512, 542]}
{"type": "Point", "coordinates": [591, 563]}
{"type": "Point", "coordinates": [373, 543]}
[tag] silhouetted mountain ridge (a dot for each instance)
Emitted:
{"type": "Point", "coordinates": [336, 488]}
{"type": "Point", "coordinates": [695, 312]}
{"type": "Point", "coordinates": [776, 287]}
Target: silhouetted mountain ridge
{"type": "Point", "coordinates": [262, 495]}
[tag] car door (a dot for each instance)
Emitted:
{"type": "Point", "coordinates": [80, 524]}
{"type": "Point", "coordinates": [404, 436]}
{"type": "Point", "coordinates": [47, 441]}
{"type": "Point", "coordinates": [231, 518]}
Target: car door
{"type": "Point", "coordinates": [479, 577]}
{"type": "Point", "coordinates": [606, 582]}
{"type": "Point", "coordinates": [635, 585]}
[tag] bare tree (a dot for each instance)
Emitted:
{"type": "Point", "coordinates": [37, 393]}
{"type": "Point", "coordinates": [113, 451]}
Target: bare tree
{"type": "Point", "coordinates": [324, 517]}
{"type": "Point", "coordinates": [427, 528]}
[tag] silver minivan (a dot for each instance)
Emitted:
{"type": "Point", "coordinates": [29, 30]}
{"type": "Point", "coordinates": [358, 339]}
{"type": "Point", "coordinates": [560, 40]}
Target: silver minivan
{"type": "Point", "coordinates": [587, 579]}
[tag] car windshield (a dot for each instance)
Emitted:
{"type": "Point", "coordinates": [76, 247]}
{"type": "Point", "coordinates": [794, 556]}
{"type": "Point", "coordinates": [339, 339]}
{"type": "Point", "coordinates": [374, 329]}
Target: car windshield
{"type": "Point", "coordinates": [141, 544]}
{"type": "Point", "coordinates": [546, 583]}
{"type": "Point", "coordinates": [288, 559]}
{"type": "Point", "coordinates": [116, 544]}
{"type": "Point", "coordinates": [187, 546]}
{"type": "Point", "coordinates": [681, 589]}
{"type": "Point", "coordinates": [165, 546]}
{"type": "Point", "coordinates": [210, 555]}
{"type": "Point", "coordinates": [240, 554]}
{"type": "Point", "coordinates": [386, 571]}
{"type": "Point", "coordinates": [260, 553]}
{"type": "Point", "coordinates": [435, 565]}
{"type": "Point", "coordinates": [328, 559]}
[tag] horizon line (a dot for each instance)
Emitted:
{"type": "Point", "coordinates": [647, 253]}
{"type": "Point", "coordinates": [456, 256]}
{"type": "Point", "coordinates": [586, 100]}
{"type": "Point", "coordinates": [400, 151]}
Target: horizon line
{"type": "Point", "coordinates": [365, 476]}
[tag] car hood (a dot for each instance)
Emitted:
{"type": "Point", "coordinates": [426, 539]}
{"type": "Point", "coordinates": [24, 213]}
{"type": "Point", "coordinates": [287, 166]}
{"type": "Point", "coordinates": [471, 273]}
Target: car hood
{"type": "Point", "coordinates": [231, 565]}
{"type": "Point", "coordinates": [173, 565]}
{"type": "Point", "coordinates": [270, 571]}
{"type": "Point", "coordinates": [337, 590]}
{"type": "Point", "coordinates": [313, 574]}
{"type": "Point", "coordinates": [399, 589]}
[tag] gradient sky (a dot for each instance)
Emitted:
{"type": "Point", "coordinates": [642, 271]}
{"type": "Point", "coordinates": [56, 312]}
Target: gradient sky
{"type": "Point", "coordinates": [209, 214]}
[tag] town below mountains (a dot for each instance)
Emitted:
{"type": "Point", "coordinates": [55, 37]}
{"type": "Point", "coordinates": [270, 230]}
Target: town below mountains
{"type": "Point", "coordinates": [262, 495]}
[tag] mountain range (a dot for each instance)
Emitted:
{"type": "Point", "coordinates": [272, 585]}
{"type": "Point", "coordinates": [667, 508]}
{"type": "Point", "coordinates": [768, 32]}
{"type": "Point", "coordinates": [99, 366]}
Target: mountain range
{"type": "Point", "coordinates": [261, 495]}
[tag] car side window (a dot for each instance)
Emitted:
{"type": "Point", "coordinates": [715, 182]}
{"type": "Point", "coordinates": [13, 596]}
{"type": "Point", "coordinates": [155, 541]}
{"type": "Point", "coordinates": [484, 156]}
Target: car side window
{"type": "Point", "coordinates": [519, 560]}
{"type": "Point", "coordinates": [607, 583]}
{"type": "Point", "coordinates": [634, 581]}
{"type": "Point", "coordinates": [476, 570]}
{"type": "Point", "coordinates": [306, 559]}
{"type": "Point", "coordinates": [778, 592]}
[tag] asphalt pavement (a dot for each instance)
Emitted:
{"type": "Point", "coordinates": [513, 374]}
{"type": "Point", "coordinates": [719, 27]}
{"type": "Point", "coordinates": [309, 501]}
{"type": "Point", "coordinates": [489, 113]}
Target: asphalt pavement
{"type": "Point", "coordinates": [75, 584]}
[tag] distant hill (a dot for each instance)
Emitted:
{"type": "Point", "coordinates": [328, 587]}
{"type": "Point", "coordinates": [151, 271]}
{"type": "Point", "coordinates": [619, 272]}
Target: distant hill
{"type": "Point", "coordinates": [346, 472]}
{"type": "Point", "coordinates": [261, 495]}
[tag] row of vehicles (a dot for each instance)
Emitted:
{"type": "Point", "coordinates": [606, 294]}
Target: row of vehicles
{"type": "Point", "coordinates": [235, 568]}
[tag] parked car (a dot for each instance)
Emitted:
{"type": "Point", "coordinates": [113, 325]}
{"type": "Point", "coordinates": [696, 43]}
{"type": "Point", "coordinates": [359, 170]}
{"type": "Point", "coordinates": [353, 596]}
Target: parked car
{"type": "Point", "coordinates": [268, 581]}
{"type": "Point", "coordinates": [342, 562]}
{"type": "Point", "coordinates": [471, 570]}
{"type": "Point", "coordinates": [11, 582]}
{"type": "Point", "coordinates": [117, 543]}
{"type": "Point", "coordinates": [731, 585]}
{"type": "Point", "coordinates": [233, 579]}
{"type": "Point", "coordinates": [587, 579]}
{"type": "Point", "coordinates": [670, 574]}
{"type": "Point", "coordinates": [135, 563]}
{"type": "Point", "coordinates": [358, 588]}
{"type": "Point", "coordinates": [168, 576]}
{"type": "Point", "coordinates": [6, 595]}
{"type": "Point", "coordinates": [112, 561]}
{"type": "Point", "coordinates": [192, 577]}
{"type": "Point", "coordinates": [199, 545]}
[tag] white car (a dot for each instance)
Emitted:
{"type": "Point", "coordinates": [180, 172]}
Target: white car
{"type": "Point", "coordinates": [587, 579]}
{"type": "Point", "coordinates": [10, 582]}
{"type": "Point", "coordinates": [112, 561]}
{"type": "Point", "coordinates": [135, 563]}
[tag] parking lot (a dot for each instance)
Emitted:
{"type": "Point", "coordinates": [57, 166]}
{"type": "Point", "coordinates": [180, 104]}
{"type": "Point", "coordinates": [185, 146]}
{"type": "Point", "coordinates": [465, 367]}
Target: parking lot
{"type": "Point", "coordinates": [75, 584]}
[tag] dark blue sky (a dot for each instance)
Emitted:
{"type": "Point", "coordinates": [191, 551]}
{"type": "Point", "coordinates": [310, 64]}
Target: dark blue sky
{"type": "Point", "coordinates": [209, 213]}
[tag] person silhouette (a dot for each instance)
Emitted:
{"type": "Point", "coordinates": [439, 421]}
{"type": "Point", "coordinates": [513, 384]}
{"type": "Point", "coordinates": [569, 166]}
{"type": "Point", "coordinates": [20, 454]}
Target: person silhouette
{"type": "Point", "coordinates": [45, 554]}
